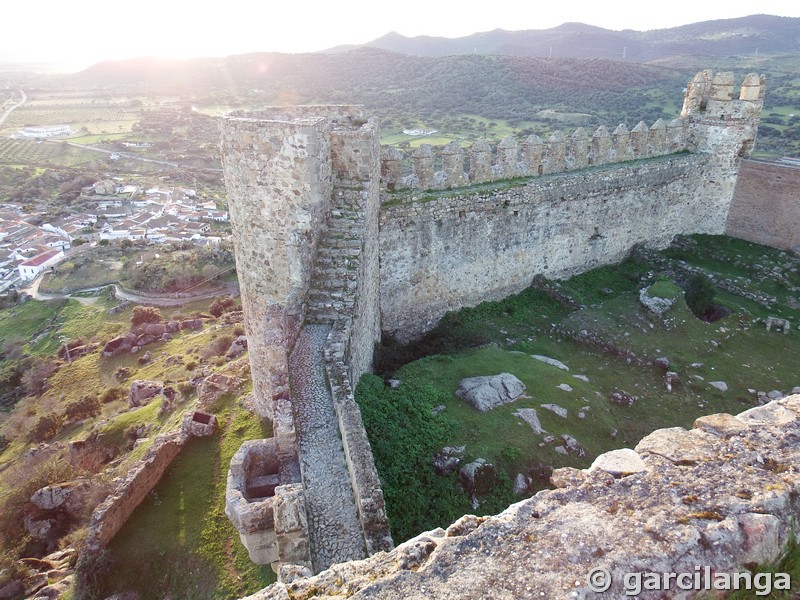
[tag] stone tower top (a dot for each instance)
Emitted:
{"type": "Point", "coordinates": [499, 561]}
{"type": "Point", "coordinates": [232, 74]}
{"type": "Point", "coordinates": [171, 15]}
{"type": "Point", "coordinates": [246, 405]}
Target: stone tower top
{"type": "Point", "coordinates": [712, 96]}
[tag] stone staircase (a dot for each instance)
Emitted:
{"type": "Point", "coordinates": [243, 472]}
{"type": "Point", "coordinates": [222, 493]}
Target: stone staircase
{"type": "Point", "coordinates": [334, 279]}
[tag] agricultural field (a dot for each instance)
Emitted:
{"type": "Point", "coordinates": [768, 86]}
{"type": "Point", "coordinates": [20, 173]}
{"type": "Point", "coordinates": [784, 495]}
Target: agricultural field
{"type": "Point", "coordinates": [23, 152]}
{"type": "Point", "coordinates": [610, 389]}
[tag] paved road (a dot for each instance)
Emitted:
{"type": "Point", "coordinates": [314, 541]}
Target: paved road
{"type": "Point", "coordinates": [8, 112]}
{"type": "Point", "coordinates": [166, 300]}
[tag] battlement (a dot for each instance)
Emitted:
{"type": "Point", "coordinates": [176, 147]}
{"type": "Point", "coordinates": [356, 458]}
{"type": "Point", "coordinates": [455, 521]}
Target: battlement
{"type": "Point", "coordinates": [713, 96]}
{"type": "Point", "coordinates": [709, 99]}
{"type": "Point", "coordinates": [443, 167]}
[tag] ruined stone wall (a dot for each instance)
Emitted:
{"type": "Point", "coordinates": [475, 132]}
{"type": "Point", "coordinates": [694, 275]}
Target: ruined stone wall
{"type": "Point", "coordinates": [277, 172]}
{"type": "Point", "coordinates": [109, 517]}
{"type": "Point", "coordinates": [458, 250]}
{"type": "Point", "coordinates": [710, 500]}
{"type": "Point", "coordinates": [766, 205]}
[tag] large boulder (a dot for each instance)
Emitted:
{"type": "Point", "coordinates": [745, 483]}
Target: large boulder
{"type": "Point", "coordinates": [490, 391]}
{"type": "Point", "coordinates": [238, 346]}
{"type": "Point", "coordinates": [192, 324]}
{"type": "Point", "coordinates": [118, 345]}
{"type": "Point", "coordinates": [154, 329]}
{"type": "Point", "coordinates": [143, 391]}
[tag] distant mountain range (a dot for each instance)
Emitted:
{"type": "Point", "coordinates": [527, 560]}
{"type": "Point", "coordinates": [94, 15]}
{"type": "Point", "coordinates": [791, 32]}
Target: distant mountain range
{"type": "Point", "coordinates": [763, 34]}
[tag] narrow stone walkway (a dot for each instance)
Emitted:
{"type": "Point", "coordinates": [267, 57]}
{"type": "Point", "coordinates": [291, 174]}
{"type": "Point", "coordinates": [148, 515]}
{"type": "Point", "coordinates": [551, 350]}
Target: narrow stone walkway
{"type": "Point", "coordinates": [334, 529]}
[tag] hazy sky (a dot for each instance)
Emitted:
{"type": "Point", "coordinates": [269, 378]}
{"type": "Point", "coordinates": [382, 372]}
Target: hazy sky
{"type": "Point", "coordinates": [81, 32]}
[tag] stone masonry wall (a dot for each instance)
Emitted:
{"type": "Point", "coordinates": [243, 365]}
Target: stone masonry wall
{"type": "Point", "coordinates": [766, 205]}
{"type": "Point", "coordinates": [444, 250]}
{"type": "Point", "coordinates": [462, 249]}
{"type": "Point", "coordinates": [357, 450]}
{"type": "Point", "coordinates": [349, 347]}
{"type": "Point", "coordinates": [356, 162]}
{"type": "Point", "coordinates": [276, 172]}
{"type": "Point", "coordinates": [710, 500]}
{"type": "Point", "coordinates": [109, 517]}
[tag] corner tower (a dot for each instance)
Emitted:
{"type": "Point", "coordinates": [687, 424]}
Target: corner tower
{"type": "Point", "coordinates": [723, 125]}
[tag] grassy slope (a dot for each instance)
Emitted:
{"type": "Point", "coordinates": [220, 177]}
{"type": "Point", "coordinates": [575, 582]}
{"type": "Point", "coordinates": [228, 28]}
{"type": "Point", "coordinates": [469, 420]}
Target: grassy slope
{"type": "Point", "coordinates": [180, 535]}
{"type": "Point", "coordinates": [737, 350]}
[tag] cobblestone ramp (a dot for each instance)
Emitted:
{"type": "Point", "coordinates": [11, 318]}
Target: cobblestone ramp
{"type": "Point", "coordinates": [334, 529]}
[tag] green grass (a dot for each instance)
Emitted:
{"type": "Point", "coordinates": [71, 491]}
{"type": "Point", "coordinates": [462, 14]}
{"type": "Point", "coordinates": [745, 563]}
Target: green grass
{"type": "Point", "coordinates": [496, 337]}
{"type": "Point", "coordinates": [179, 536]}
{"type": "Point", "coordinates": [24, 322]}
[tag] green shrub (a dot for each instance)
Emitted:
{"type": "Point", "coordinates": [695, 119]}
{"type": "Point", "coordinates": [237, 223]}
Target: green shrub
{"type": "Point", "coordinates": [145, 314]}
{"type": "Point", "coordinates": [34, 380]}
{"type": "Point", "coordinates": [46, 428]}
{"type": "Point", "coordinates": [221, 305]}
{"type": "Point", "coordinates": [700, 294]}
{"type": "Point", "coordinates": [88, 406]}
{"type": "Point", "coordinates": [220, 345]}
{"type": "Point", "coordinates": [113, 394]}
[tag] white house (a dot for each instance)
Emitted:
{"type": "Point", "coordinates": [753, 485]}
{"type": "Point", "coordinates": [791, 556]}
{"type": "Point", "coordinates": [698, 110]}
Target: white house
{"type": "Point", "coordinates": [29, 269]}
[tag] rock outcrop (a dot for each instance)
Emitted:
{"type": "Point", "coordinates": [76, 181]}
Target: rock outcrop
{"type": "Point", "coordinates": [490, 391]}
{"type": "Point", "coordinates": [722, 495]}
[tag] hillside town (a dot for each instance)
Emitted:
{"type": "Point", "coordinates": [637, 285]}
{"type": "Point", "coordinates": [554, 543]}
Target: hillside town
{"type": "Point", "coordinates": [30, 242]}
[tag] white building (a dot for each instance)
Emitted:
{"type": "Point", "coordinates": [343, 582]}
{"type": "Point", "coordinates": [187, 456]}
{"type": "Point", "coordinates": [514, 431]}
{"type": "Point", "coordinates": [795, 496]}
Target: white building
{"type": "Point", "coordinates": [29, 269]}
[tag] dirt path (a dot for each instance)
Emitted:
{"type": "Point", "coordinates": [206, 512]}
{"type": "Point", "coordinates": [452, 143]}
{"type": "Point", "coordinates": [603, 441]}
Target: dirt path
{"type": "Point", "coordinates": [231, 289]}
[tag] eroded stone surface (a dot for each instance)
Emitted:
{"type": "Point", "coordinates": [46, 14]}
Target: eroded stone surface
{"type": "Point", "coordinates": [620, 462]}
{"type": "Point", "coordinates": [724, 511]}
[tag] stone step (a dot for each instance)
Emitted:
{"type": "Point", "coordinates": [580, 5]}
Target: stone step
{"type": "Point", "coordinates": [339, 243]}
{"type": "Point", "coordinates": [335, 272]}
{"type": "Point", "coordinates": [319, 316]}
{"type": "Point", "coordinates": [326, 296]}
{"type": "Point", "coordinates": [338, 256]}
{"type": "Point", "coordinates": [333, 308]}
{"type": "Point", "coordinates": [347, 214]}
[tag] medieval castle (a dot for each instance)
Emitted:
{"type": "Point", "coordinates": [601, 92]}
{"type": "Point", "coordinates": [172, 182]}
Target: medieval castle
{"type": "Point", "coordinates": [338, 239]}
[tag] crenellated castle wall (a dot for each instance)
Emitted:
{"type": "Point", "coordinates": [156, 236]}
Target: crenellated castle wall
{"type": "Point", "coordinates": [445, 167]}
{"type": "Point", "coordinates": [330, 231]}
{"type": "Point", "coordinates": [445, 249]}
{"type": "Point", "coordinates": [459, 250]}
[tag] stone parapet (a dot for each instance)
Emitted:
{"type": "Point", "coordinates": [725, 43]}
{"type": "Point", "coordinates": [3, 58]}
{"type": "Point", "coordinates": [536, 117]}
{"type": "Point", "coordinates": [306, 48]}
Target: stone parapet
{"type": "Point", "coordinates": [445, 167]}
{"type": "Point", "coordinates": [358, 452]}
